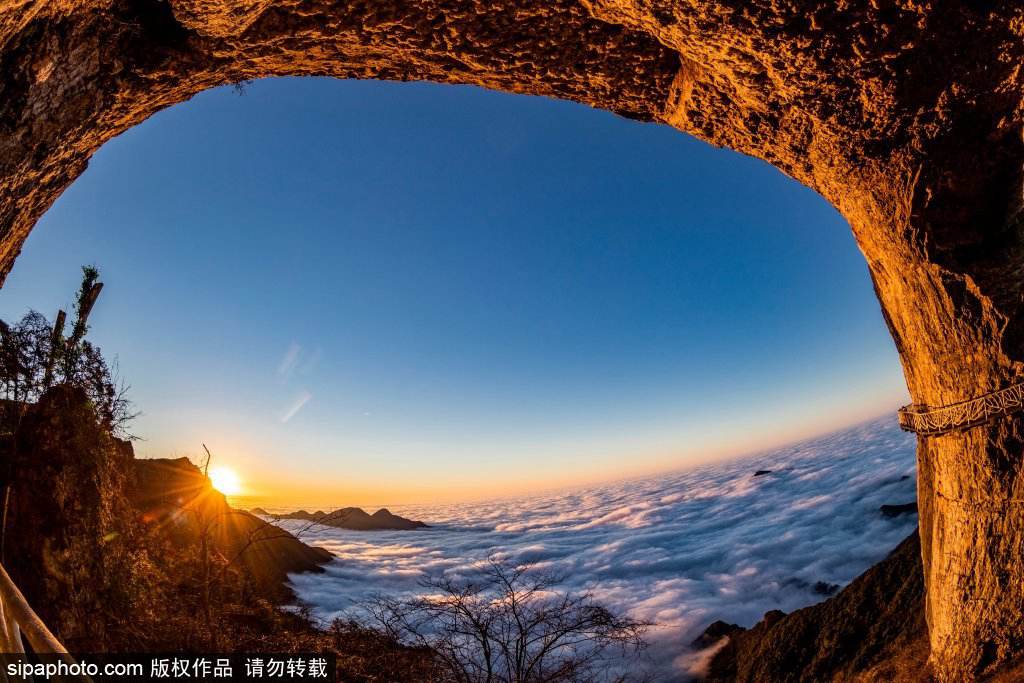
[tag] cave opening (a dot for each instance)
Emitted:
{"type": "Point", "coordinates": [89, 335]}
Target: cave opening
{"type": "Point", "coordinates": [618, 276]}
{"type": "Point", "coordinates": [917, 145]}
{"type": "Point", "coordinates": [355, 298]}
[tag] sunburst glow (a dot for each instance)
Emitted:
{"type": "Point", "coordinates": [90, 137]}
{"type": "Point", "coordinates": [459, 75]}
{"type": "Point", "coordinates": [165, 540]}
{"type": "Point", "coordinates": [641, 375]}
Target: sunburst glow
{"type": "Point", "coordinates": [225, 480]}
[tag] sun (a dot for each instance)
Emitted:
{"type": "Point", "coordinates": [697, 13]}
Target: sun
{"type": "Point", "coordinates": [225, 480]}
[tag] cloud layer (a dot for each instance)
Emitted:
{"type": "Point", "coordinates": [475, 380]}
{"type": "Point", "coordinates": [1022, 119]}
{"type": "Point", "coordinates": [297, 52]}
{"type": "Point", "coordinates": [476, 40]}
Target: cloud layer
{"type": "Point", "coordinates": [681, 550]}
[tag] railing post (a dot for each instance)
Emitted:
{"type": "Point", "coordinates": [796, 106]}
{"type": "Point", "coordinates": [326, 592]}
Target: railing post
{"type": "Point", "coordinates": [10, 638]}
{"type": "Point", "coordinates": [17, 618]}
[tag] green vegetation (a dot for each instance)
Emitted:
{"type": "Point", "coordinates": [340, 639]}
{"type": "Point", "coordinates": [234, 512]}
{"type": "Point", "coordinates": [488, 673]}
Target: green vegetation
{"type": "Point", "coordinates": [118, 554]}
{"type": "Point", "coordinates": [35, 354]}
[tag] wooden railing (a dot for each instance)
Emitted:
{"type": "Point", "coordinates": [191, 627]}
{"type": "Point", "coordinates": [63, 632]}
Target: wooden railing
{"type": "Point", "coordinates": [18, 620]}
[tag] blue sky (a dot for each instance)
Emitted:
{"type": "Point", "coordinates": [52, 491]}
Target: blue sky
{"type": "Point", "coordinates": [398, 292]}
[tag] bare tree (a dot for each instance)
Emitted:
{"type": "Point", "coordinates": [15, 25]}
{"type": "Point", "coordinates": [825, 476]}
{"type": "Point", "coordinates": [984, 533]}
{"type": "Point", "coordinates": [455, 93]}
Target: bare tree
{"type": "Point", "coordinates": [510, 624]}
{"type": "Point", "coordinates": [34, 354]}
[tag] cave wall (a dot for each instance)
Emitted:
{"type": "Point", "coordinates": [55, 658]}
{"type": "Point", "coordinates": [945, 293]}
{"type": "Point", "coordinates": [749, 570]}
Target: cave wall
{"type": "Point", "coordinates": [906, 115]}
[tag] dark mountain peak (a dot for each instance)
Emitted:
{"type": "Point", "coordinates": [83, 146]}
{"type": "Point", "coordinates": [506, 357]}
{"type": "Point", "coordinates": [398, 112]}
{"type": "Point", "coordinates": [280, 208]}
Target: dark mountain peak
{"type": "Point", "coordinates": [714, 633]}
{"type": "Point", "coordinates": [899, 510]}
{"type": "Point", "coordinates": [876, 623]}
{"type": "Point", "coordinates": [356, 519]}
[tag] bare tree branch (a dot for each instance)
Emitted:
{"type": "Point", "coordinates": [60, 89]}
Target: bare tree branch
{"type": "Point", "coordinates": [509, 624]}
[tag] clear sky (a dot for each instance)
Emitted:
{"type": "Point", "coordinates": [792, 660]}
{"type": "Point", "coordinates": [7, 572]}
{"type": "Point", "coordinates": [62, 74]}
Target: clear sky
{"type": "Point", "coordinates": [361, 292]}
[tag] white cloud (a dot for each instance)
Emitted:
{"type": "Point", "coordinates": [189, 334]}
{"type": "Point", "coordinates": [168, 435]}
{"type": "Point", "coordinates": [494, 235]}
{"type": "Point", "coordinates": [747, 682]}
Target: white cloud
{"type": "Point", "coordinates": [301, 400]}
{"type": "Point", "coordinates": [289, 361]}
{"type": "Point", "coordinates": [682, 550]}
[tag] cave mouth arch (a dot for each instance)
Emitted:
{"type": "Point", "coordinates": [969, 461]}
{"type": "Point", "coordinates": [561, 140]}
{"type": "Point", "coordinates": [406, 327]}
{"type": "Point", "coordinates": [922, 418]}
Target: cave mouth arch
{"type": "Point", "coordinates": [201, 240]}
{"type": "Point", "coordinates": [293, 216]}
{"type": "Point", "coordinates": [907, 120]}
{"type": "Point", "coordinates": [198, 240]}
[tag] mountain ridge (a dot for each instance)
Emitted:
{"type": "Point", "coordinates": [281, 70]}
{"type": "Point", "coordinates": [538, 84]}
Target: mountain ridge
{"type": "Point", "coordinates": [352, 518]}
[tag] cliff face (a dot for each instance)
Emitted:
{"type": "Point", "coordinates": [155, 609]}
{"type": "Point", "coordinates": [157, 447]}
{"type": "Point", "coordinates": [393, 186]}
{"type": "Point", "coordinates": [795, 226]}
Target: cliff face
{"type": "Point", "coordinates": [106, 547]}
{"type": "Point", "coordinates": [872, 631]}
{"type": "Point", "coordinates": [70, 542]}
{"type": "Point", "coordinates": [174, 499]}
{"type": "Point", "coordinates": [906, 116]}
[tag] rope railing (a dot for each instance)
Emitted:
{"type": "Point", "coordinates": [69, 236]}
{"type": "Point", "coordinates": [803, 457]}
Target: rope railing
{"type": "Point", "coordinates": [929, 421]}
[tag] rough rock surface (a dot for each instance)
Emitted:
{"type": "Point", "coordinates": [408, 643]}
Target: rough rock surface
{"type": "Point", "coordinates": [714, 634]}
{"type": "Point", "coordinates": [873, 630]}
{"type": "Point", "coordinates": [66, 479]}
{"type": "Point", "coordinates": [75, 489]}
{"type": "Point", "coordinates": [165, 490]}
{"type": "Point", "coordinates": [906, 115]}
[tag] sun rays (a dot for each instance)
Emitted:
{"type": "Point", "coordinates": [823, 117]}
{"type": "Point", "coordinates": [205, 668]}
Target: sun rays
{"type": "Point", "coordinates": [226, 480]}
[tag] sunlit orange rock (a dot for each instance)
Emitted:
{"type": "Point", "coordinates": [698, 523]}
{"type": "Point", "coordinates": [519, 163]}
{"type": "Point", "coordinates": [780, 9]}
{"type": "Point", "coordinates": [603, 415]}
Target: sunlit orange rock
{"type": "Point", "coordinates": [905, 115]}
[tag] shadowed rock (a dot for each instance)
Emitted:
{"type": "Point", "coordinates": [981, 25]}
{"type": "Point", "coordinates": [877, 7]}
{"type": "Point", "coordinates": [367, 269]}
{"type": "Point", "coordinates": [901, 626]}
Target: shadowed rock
{"type": "Point", "coordinates": [892, 511]}
{"type": "Point", "coordinates": [97, 539]}
{"type": "Point", "coordinates": [173, 494]}
{"type": "Point", "coordinates": [353, 518]}
{"type": "Point", "coordinates": [873, 630]}
{"type": "Point", "coordinates": [714, 633]}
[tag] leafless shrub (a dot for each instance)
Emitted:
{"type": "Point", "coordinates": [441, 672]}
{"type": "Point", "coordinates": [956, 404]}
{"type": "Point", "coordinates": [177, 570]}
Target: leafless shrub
{"type": "Point", "coordinates": [510, 624]}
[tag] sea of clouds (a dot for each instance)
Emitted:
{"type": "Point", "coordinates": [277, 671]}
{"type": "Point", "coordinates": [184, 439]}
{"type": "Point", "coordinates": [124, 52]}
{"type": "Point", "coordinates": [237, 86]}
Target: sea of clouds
{"type": "Point", "coordinates": [680, 550]}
